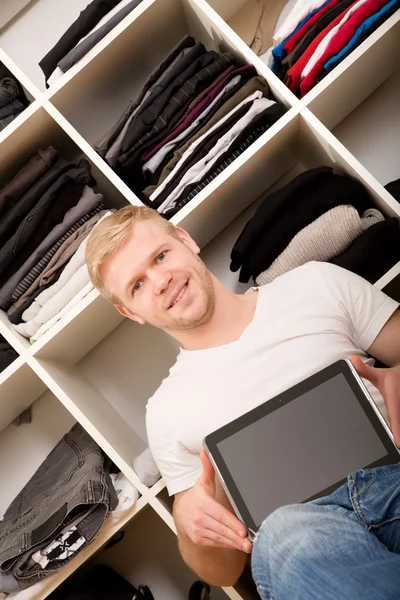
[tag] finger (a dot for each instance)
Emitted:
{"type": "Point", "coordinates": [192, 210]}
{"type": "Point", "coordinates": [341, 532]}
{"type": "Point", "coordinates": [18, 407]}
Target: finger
{"type": "Point", "coordinates": [209, 525]}
{"type": "Point", "coordinates": [218, 541]}
{"type": "Point", "coordinates": [224, 517]}
{"type": "Point", "coordinates": [208, 474]}
{"type": "Point", "coordinates": [373, 375]}
{"type": "Point", "coordinates": [393, 409]}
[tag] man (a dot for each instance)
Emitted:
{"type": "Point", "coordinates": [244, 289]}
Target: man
{"type": "Point", "coordinates": [236, 352]}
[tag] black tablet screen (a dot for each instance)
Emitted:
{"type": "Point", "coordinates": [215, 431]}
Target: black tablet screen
{"type": "Point", "coordinates": [303, 447]}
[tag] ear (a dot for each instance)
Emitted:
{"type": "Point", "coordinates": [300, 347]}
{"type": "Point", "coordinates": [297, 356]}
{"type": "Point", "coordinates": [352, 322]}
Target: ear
{"type": "Point", "coordinates": [186, 239]}
{"type": "Point", "coordinates": [126, 312]}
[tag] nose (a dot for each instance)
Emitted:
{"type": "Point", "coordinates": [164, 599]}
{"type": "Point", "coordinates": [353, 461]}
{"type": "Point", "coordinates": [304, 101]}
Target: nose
{"type": "Point", "coordinates": [161, 282]}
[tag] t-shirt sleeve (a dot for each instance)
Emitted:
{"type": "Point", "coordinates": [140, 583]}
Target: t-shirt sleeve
{"type": "Point", "coordinates": [367, 308]}
{"type": "Point", "coordinates": [179, 467]}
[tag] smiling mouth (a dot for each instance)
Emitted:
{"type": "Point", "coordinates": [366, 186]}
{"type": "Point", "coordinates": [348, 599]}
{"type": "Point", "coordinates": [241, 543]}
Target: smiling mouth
{"type": "Point", "coordinates": [179, 296]}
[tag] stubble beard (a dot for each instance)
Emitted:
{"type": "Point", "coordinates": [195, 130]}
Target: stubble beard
{"type": "Point", "coordinates": [208, 302]}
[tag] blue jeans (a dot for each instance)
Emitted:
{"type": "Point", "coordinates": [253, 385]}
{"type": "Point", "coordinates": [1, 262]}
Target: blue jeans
{"type": "Point", "coordinates": [346, 545]}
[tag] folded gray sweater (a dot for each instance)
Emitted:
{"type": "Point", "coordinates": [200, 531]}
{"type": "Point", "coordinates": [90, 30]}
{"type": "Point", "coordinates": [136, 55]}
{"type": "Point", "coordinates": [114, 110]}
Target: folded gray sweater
{"type": "Point", "coordinates": [324, 238]}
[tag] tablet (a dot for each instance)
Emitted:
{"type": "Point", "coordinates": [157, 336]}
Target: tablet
{"type": "Point", "coordinates": [300, 445]}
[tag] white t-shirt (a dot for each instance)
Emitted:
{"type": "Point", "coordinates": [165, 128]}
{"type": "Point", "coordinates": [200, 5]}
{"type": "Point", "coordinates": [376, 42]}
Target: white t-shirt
{"type": "Point", "coordinates": [305, 320]}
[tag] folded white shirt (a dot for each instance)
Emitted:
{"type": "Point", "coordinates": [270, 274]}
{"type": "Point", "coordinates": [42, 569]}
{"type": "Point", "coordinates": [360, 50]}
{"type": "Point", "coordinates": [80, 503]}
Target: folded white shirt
{"type": "Point", "coordinates": [51, 301]}
{"type": "Point", "coordinates": [299, 12]}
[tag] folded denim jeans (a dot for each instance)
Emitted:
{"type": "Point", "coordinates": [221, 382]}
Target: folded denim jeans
{"type": "Point", "coordinates": [70, 492]}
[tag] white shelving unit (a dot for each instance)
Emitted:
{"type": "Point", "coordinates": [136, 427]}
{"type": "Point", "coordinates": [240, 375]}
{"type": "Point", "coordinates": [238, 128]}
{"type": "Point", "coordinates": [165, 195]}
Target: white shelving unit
{"type": "Point", "coordinates": [97, 368]}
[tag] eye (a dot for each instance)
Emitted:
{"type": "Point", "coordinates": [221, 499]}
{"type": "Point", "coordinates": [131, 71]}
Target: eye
{"type": "Point", "coordinates": [161, 256]}
{"type": "Point", "coordinates": [137, 286]}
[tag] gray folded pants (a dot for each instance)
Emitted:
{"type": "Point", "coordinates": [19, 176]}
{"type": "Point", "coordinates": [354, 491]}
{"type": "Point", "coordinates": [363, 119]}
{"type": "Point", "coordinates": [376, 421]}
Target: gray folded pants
{"type": "Point", "coordinates": [63, 505]}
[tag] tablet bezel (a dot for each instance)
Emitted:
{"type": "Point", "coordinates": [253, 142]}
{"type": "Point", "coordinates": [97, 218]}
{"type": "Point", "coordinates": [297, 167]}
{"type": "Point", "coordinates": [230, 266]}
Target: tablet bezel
{"type": "Point", "coordinates": [344, 367]}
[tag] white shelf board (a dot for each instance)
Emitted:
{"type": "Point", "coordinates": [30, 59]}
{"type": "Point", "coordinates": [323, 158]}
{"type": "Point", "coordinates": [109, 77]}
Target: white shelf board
{"type": "Point", "coordinates": [79, 331]}
{"type": "Point", "coordinates": [108, 175]}
{"type": "Point", "coordinates": [220, 30]}
{"type": "Point", "coordinates": [244, 180]}
{"type": "Point", "coordinates": [103, 423]}
{"type": "Point", "coordinates": [100, 48]}
{"type": "Point", "coordinates": [388, 277]}
{"type": "Point", "coordinates": [357, 76]}
{"type": "Point", "coordinates": [17, 341]}
{"type": "Point", "coordinates": [343, 159]}
{"type": "Point", "coordinates": [33, 32]}
{"type": "Point", "coordinates": [43, 589]}
{"type": "Point", "coordinates": [93, 103]}
{"type": "Point", "coordinates": [372, 131]}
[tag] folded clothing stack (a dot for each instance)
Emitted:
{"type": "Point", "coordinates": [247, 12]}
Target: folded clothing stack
{"type": "Point", "coordinates": [93, 24]}
{"type": "Point", "coordinates": [68, 500]}
{"type": "Point", "coordinates": [309, 37]}
{"type": "Point", "coordinates": [47, 212]}
{"type": "Point", "coordinates": [195, 115]}
{"type": "Point", "coordinates": [12, 97]}
{"type": "Point", "coordinates": [317, 216]}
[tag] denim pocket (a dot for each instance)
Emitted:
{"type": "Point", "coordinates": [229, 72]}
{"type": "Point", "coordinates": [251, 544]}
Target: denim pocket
{"type": "Point", "coordinates": [375, 494]}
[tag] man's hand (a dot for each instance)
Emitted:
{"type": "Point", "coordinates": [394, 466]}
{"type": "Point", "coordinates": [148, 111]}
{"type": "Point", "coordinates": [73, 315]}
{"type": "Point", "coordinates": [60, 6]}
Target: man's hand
{"type": "Point", "coordinates": [203, 520]}
{"type": "Point", "coordinates": [388, 383]}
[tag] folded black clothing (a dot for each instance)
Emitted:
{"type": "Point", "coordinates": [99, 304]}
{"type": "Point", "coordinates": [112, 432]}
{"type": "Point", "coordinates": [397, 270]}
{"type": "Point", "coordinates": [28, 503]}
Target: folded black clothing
{"type": "Point", "coordinates": [374, 252]}
{"type": "Point", "coordinates": [201, 150]}
{"type": "Point", "coordinates": [46, 214]}
{"type": "Point", "coordinates": [7, 354]}
{"type": "Point", "coordinates": [12, 219]}
{"type": "Point", "coordinates": [259, 125]}
{"type": "Point", "coordinates": [100, 583]}
{"type": "Point", "coordinates": [88, 18]}
{"type": "Point", "coordinates": [394, 188]}
{"type": "Point", "coordinates": [283, 213]}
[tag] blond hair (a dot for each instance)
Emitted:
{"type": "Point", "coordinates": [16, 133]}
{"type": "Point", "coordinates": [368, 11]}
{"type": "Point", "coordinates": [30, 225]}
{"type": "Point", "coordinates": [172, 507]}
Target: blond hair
{"type": "Point", "coordinates": [110, 234]}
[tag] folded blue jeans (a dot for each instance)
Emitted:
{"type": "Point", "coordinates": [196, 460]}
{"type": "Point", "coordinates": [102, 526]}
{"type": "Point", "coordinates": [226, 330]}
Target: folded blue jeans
{"type": "Point", "coordinates": [345, 545]}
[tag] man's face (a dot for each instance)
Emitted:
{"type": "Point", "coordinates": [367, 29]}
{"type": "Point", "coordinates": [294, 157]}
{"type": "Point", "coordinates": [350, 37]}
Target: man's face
{"type": "Point", "coordinates": [160, 279]}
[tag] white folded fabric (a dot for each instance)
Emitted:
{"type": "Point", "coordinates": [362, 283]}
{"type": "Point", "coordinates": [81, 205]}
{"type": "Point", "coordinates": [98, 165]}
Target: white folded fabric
{"type": "Point", "coordinates": [47, 307]}
{"type": "Point", "coordinates": [257, 94]}
{"type": "Point", "coordinates": [155, 161]}
{"type": "Point", "coordinates": [300, 10]}
{"type": "Point", "coordinates": [202, 167]}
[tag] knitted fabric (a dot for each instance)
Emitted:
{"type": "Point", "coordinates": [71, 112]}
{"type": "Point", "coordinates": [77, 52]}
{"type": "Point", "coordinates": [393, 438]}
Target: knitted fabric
{"type": "Point", "coordinates": [286, 211]}
{"type": "Point", "coordinates": [323, 239]}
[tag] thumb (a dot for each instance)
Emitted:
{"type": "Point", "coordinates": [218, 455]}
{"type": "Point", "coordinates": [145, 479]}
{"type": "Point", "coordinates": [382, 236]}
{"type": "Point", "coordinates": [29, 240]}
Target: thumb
{"type": "Point", "coordinates": [208, 470]}
{"type": "Point", "coordinates": [365, 371]}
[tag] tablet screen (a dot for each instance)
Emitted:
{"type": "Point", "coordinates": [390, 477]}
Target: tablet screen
{"type": "Point", "coordinates": [305, 446]}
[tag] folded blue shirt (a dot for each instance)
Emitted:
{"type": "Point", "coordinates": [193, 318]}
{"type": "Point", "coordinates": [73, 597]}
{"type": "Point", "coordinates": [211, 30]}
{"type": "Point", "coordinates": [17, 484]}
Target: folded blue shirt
{"type": "Point", "coordinates": [365, 25]}
{"type": "Point", "coordinates": [278, 53]}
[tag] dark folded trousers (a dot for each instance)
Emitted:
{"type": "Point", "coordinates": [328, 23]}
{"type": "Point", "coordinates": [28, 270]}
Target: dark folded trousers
{"type": "Point", "coordinates": [71, 486]}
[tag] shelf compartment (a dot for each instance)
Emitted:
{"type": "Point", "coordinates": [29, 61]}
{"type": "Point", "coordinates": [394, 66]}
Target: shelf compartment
{"type": "Point", "coordinates": [372, 131]}
{"type": "Point", "coordinates": [155, 561]}
{"type": "Point", "coordinates": [93, 103]}
{"type": "Point", "coordinates": [358, 76]}
{"type": "Point", "coordinates": [95, 413]}
{"type": "Point", "coordinates": [22, 451]}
